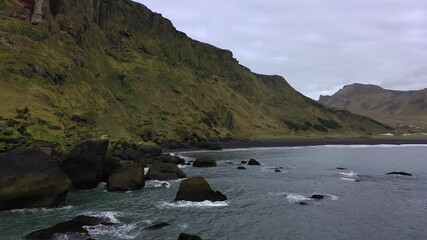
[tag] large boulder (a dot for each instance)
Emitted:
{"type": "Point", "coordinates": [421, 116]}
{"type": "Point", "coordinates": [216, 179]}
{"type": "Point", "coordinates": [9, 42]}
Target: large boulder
{"type": "Point", "coordinates": [31, 178]}
{"type": "Point", "coordinates": [129, 178]}
{"type": "Point", "coordinates": [204, 162]}
{"type": "Point", "coordinates": [168, 158]}
{"type": "Point", "coordinates": [84, 164]}
{"type": "Point", "coordinates": [184, 236]}
{"type": "Point", "coordinates": [113, 164]}
{"type": "Point", "coordinates": [73, 229]}
{"type": "Point", "coordinates": [253, 162]}
{"type": "Point", "coordinates": [197, 189]}
{"type": "Point", "coordinates": [164, 171]}
{"type": "Point", "coordinates": [150, 149]}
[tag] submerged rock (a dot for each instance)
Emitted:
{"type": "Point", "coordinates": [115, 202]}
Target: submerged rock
{"type": "Point", "coordinates": [253, 162]}
{"type": "Point", "coordinates": [129, 178]}
{"type": "Point", "coordinates": [84, 165]}
{"type": "Point", "coordinates": [341, 168]}
{"type": "Point", "coordinates": [158, 226]}
{"type": "Point", "coordinates": [317, 197]}
{"type": "Point", "coordinates": [277, 170]}
{"type": "Point", "coordinates": [73, 229]}
{"type": "Point", "coordinates": [31, 178]}
{"type": "Point", "coordinates": [197, 189]}
{"type": "Point", "coordinates": [204, 162]}
{"type": "Point", "coordinates": [184, 236]}
{"type": "Point", "coordinates": [241, 168]}
{"type": "Point", "coordinates": [164, 171]}
{"type": "Point", "coordinates": [399, 173]}
{"type": "Point", "coordinates": [244, 162]}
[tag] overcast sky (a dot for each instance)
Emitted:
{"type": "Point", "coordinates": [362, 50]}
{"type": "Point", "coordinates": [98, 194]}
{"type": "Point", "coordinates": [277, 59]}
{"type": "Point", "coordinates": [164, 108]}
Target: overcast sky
{"type": "Point", "coordinates": [317, 45]}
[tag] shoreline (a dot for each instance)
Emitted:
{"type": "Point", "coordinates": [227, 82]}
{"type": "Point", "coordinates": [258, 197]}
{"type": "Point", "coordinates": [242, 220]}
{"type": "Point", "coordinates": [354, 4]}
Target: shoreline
{"type": "Point", "coordinates": [303, 142]}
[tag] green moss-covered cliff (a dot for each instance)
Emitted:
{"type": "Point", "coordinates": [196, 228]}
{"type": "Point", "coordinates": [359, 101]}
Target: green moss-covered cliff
{"type": "Point", "coordinates": [71, 69]}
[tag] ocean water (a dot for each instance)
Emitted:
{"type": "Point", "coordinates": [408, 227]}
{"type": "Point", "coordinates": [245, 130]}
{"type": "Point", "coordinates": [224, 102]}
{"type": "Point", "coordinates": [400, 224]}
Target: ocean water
{"type": "Point", "coordinates": [361, 202]}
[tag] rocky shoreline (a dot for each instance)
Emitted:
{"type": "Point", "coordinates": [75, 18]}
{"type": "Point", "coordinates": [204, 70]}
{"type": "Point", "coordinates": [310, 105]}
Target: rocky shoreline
{"type": "Point", "coordinates": [41, 176]}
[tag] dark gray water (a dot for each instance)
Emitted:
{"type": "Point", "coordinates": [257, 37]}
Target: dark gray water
{"type": "Point", "coordinates": [262, 203]}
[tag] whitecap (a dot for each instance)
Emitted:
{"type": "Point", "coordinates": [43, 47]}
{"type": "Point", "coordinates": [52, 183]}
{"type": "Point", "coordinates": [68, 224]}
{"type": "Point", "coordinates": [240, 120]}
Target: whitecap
{"type": "Point", "coordinates": [157, 184]}
{"type": "Point", "coordinates": [186, 204]}
{"type": "Point", "coordinates": [110, 215]}
{"type": "Point", "coordinates": [296, 198]}
{"type": "Point", "coordinates": [348, 179]}
{"type": "Point", "coordinates": [332, 197]}
{"type": "Point", "coordinates": [39, 210]}
{"type": "Point", "coordinates": [349, 174]}
{"type": "Point", "coordinates": [121, 231]}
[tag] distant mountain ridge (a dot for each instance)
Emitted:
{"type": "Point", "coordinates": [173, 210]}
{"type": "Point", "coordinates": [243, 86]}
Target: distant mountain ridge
{"type": "Point", "coordinates": [396, 108]}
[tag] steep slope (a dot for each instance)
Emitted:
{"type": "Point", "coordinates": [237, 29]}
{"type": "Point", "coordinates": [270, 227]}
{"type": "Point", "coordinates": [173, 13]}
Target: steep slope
{"type": "Point", "coordinates": [73, 69]}
{"type": "Point", "coordinates": [397, 108]}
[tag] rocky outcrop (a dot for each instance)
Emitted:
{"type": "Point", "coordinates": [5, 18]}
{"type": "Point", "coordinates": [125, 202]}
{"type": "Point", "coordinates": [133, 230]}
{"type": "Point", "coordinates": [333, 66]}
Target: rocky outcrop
{"type": "Point", "coordinates": [164, 171]}
{"type": "Point", "coordinates": [204, 162]}
{"type": "Point", "coordinates": [197, 189]}
{"type": "Point", "coordinates": [184, 236]}
{"type": "Point", "coordinates": [168, 158]}
{"type": "Point", "coordinates": [84, 164]}
{"type": "Point", "coordinates": [253, 162]}
{"type": "Point", "coordinates": [126, 179]}
{"type": "Point", "coordinates": [73, 229]}
{"type": "Point", "coordinates": [31, 178]}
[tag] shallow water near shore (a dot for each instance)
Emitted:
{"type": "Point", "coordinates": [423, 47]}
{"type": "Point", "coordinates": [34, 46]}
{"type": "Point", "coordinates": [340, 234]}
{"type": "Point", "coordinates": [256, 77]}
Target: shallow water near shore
{"type": "Point", "coordinates": [361, 201]}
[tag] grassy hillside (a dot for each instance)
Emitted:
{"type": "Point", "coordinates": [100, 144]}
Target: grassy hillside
{"type": "Point", "coordinates": [74, 69]}
{"type": "Point", "coordinates": [396, 108]}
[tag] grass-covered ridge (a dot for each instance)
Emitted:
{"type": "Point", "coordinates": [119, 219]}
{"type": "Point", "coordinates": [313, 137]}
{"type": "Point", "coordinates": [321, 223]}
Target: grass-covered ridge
{"type": "Point", "coordinates": [93, 68]}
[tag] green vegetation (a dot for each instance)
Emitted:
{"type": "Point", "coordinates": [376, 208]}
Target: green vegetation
{"type": "Point", "coordinates": [130, 76]}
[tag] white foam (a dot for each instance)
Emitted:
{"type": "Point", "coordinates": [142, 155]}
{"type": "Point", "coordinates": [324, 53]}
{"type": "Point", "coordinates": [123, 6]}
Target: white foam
{"type": "Point", "coordinates": [120, 231]}
{"type": "Point", "coordinates": [186, 204]}
{"type": "Point", "coordinates": [332, 197]}
{"type": "Point", "coordinates": [146, 171]}
{"type": "Point", "coordinates": [349, 174]}
{"type": "Point", "coordinates": [348, 179]}
{"type": "Point", "coordinates": [157, 184]}
{"type": "Point", "coordinates": [38, 210]}
{"type": "Point", "coordinates": [295, 198]}
{"type": "Point", "coordinates": [111, 216]}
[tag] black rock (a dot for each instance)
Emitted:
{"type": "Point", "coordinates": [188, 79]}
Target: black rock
{"type": "Point", "coordinates": [317, 197]}
{"type": "Point", "coordinates": [73, 229]}
{"type": "Point", "coordinates": [84, 165]}
{"type": "Point", "coordinates": [184, 236]}
{"type": "Point", "coordinates": [31, 178]}
{"type": "Point", "coordinates": [302, 203]}
{"type": "Point", "coordinates": [277, 170]}
{"type": "Point", "coordinates": [341, 168]}
{"type": "Point", "coordinates": [204, 162]}
{"type": "Point", "coordinates": [253, 162]}
{"type": "Point", "coordinates": [197, 189]}
{"type": "Point", "coordinates": [241, 168]}
{"type": "Point", "coordinates": [157, 226]}
{"type": "Point", "coordinates": [399, 173]}
{"type": "Point", "coordinates": [129, 178]}
{"type": "Point", "coordinates": [244, 162]}
{"type": "Point", "coordinates": [164, 171]}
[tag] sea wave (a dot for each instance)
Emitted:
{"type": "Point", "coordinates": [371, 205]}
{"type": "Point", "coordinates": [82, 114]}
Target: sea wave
{"type": "Point", "coordinates": [121, 231]}
{"type": "Point", "coordinates": [186, 204]}
{"type": "Point", "coordinates": [40, 210]}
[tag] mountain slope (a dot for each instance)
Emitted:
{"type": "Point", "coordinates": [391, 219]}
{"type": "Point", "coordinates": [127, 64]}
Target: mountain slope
{"type": "Point", "coordinates": [73, 69]}
{"type": "Point", "coordinates": [396, 108]}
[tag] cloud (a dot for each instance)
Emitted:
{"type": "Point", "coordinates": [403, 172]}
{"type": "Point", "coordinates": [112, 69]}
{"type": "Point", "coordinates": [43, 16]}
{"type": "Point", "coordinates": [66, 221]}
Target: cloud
{"type": "Point", "coordinates": [318, 46]}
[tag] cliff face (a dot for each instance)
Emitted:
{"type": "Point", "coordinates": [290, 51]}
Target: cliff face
{"type": "Point", "coordinates": [396, 108]}
{"type": "Point", "coordinates": [73, 68]}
